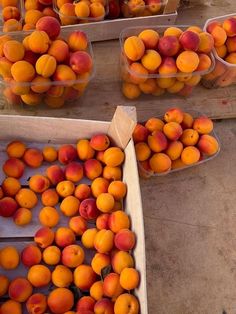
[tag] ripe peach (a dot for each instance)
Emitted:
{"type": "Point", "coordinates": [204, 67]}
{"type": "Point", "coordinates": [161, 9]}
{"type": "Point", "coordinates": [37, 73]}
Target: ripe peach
{"type": "Point", "coordinates": [124, 240]}
{"type": "Point", "coordinates": [81, 62]}
{"type": "Point", "coordinates": [157, 141]}
{"type": "Point", "coordinates": [187, 121]}
{"type": "Point", "coordinates": [126, 304]}
{"type": "Point", "coordinates": [168, 46]}
{"type": "Point", "coordinates": [46, 66]}
{"type": "Point", "coordinates": [77, 40]}
{"type": "Point", "coordinates": [150, 38]}
{"type": "Point", "coordinates": [9, 258]}
{"type": "Point", "coordinates": [55, 47]}
{"type": "Point", "coordinates": [49, 25]}
{"type": "Point", "coordinates": [8, 206]}
{"type": "Point", "coordinates": [88, 209]}
{"type": "Point", "coordinates": [62, 276]}
{"type": "Point", "coordinates": [32, 16]}
{"type": "Point", "coordinates": [64, 237]}
{"type": "Point", "coordinates": [173, 31]}
{"type": "Point", "coordinates": [72, 256]}
{"type": "Point", "coordinates": [189, 40]}
{"type": "Point", "coordinates": [174, 150]}
{"type": "Point", "coordinates": [37, 303]}
{"type": "Point", "coordinates": [78, 224]}
{"type": "Point", "coordinates": [99, 261]}
{"type": "Point", "coordinates": [229, 25]}
{"type": "Point", "coordinates": [168, 66]}
{"type": "Point", "coordinates": [33, 157]}
{"type": "Point", "coordinates": [39, 42]}
{"type": "Point", "coordinates": [88, 238]}
{"type": "Point", "coordinates": [151, 60]}
{"type": "Point", "coordinates": [84, 277]}
{"type": "Point", "coordinates": [11, 306]}
{"type": "Point", "coordinates": [134, 48]}
{"type": "Point", "coordinates": [20, 289]}
{"type": "Point", "coordinates": [208, 145]}
{"type": "Point", "coordinates": [104, 305]}
{"type": "Point", "coordinates": [26, 198]}
{"type": "Point", "coordinates": [187, 61]}
{"type": "Point", "coordinates": [102, 221]}
{"type": "Point", "coordinates": [4, 284]}
{"type": "Point", "coordinates": [190, 155]}
{"type": "Point", "coordinates": [60, 300]}
{"type": "Point", "coordinates": [50, 198]}
{"type": "Point", "coordinates": [82, 191]}
{"type": "Point", "coordinates": [65, 188]}
{"type": "Point", "coordinates": [22, 216]}
{"type": "Point", "coordinates": [49, 216]}
{"type": "Point", "coordinates": [64, 73]}
{"type": "Point", "coordinates": [51, 255]}
{"type": "Point", "coordinates": [130, 90]}
{"type": "Point", "coordinates": [172, 130]}
{"type": "Point", "coordinates": [118, 189]}
{"type": "Point", "coordinates": [103, 241]}
{"type": "Point", "coordinates": [13, 167]}
{"type": "Point", "coordinates": [96, 290]}
{"type": "Point", "coordinates": [55, 174]}
{"type": "Point", "coordinates": [67, 14]}
{"type": "Point", "coordinates": [219, 35]}
{"type": "Point", "coordinates": [39, 275]}
{"type": "Point", "coordinates": [10, 186]}
{"type": "Point", "coordinates": [111, 285]}
{"type": "Point", "coordinates": [85, 303]}
{"type": "Point", "coordinates": [49, 153]}
{"type": "Point", "coordinates": [203, 125]}
{"type": "Point", "coordinates": [160, 162]}
{"type": "Point", "coordinates": [121, 260]}
{"type": "Point", "coordinates": [16, 149]}
{"type": "Point", "coordinates": [44, 237]}
{"type": "Point", "coordinates": [118, 220]}
{"type": "Point", "coordinates": [31, 255]}
{"type": "Point", "coordinates": [206, 42]}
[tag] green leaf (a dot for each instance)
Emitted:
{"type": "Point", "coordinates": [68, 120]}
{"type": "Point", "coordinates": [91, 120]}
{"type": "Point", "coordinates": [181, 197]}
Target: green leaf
{"type": "Point", "coordinates": [106, 271]}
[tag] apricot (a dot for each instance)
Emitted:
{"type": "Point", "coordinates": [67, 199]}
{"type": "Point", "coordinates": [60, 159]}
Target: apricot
{"type": "Point", "coordinates": [230, 47]}
{"type": "Point", "coordinates": [176, 87]}
{"type": "Point", "coordinates": [96, 290]}
{"type": "Point", "coordinates": [13, 50]}
{"type": "Point", "coordinates": [84, 277]}
{"type": "Point", "coordinates": [65, 188]}
{"type": "Point", "coordinates": [113, 156]}
{"type": "Point", "coordinates": [39, 42]}
{"type": "Point", "coordinates": [229, 25]}
{"type": "Point", "coordinates": [231, 58]}
{"type": "Point", "coordinates": [55, 174]}
{"type": "Point", "coordinates": [11, 186]}
{"type": "Point", "coordinates": [4, 284]}
{"type": "Point", "coordinates": [74, 171]}
{"type": "Point", "coordinates": [5, 67]}
{"type": "Point", "coordinates": [64, 237]}
{"type": "Point", "coordinates": [92, 169]}
{"type": "Point", "coordinates": [46, 65]}
{"type": "Point", "coordinates": [22, 216]}
{"type": "Point", "coordinates": [204, 62]}
{"type": "Point", "coordinates": [172, 130]}
{"type": "Point", "coordinates": [82, 9]}
{"type": "Point", "coordinates": [20, 289]}
{"type": "Point", "coordinates": [102, 305]}
{"type": "Point", "coordinates": [44, 237]}
{"type": "Point", "coordinates": [39, 275]}
{"type": "Point", "coordinates": [195, 79]}
{"type": "Point", "coordinates": [88, 209]}
{"type": "Point", "coordinates": [103, 241]}
{"type": "Point", "coordinates": [70, 206]}
{"type": "Point", "coordinates": [31, 255]}
{"type": "Point", "coordinates": [160, 162]}
{"type": "Point", "coordinates": [11, 306]}
{"type": "Point", "coordinates": [55, 91]}
{"type": "Point", "coordinates": [49, 25]}
{"type": "Point", "coordinates": [149, 86]}
{"type": "Point", "coordinates": [195, 29]}
{"type": "Point", "coordinates": [112, 173]}
{"type": "Point", "coordinates": [37, 303]}
{"type": "Point", "coordinates": [40, 84]}
{"type": "Point", "coordinates": [5, 3]}
{"type": "Point", "coordinates": [85, 303]}
{"type": "Point", "coordinates": [32, 5]}
{"type": "Point", "coordinates": [206, 43]}
{"type": "Point", "coordinates": [49, 216]}
{"type": "Point", "coordinates": [150, 38]}
{"type": "Point", "coordinates": [154, 124]}
{"type": "Point", "coordinates": [51, 255]}
{"type": "Point", "coordinates": [105, 202]}
{"type": "Point", "coordinates": [168, 66]}
{"type": "Point", "coordinates": [118, 189]}
{"type": "Point", "coordinates": [176, 164]}
{"type": "Point", "coordinates": [151, 60]}
{"type": "Point", "coordinates": [173, 31]}
{"type": "Point", "coordinates": [77, 40]}
{"type": "Point", "coordinates": [187, 122]}
{"type": "Point", "coordinates": [187, 61]}
{"type": "Point", "coordinates": [28, 27]}
{"type": "Point", "coordinates": [78, 224]}
{"type": "Point", "coordinates": [118, 220]}
{"type": "Point", "coordinates": [9, 258]}
{"type": "Point", "coordinates": [157, 141]}
{"type": "Point", "coordinates": [174, 150]}
{"type": "Point", "coordinates": [100, 261]}
{"type": "Point", "coordinates": [50, 198]}
{"type": "Point", "coordinates": [82, 191]}
{"type": "Point", "coordinates": [39, 183]}
{"type": "Point", "coordinates": [49, 153]}
{"type": "Point", "coordinates": [190, 155]}
{"type": "Point", "coordinates": [11, 98]}
{"type": "Point", "coordinates": [189, 40]}
{"type": "Point", "coordinates": [26, 198]}
{"type": "Point", "coordinates": [142, 151]}
{"type": "Point", "coordinates": [60, 300]}
{"type": "Point", "coordinates": [189, 137]}
{"type": "Point", "coordinates": [129, 278]}
{"type": "Point", "coordinates": [134, 48]}
{"type": "Point", "coordinates": [97, 10]}
{"type": "Point", "coordinates": [84, 150]}
{"type": "Point", "coordinates": [62, 276]}
{"type": "Point", "coordinates": [203, 125]}
{"type": "Point", "coordinates": [102, 221]}
{"type": "Point", "coordinates": [72, 256]}
{"type": "Point", "coordinates": [88, 238]}
{"type": "Point", "coordinates": [11, 12]}
{"type": "Point", "coordinates": [32, 16]}
{"type": "Point", "coordinates": [138, 72]}
{"type": "Point", "coordinates": [67, 14]}
{"type": "Point", "coordinates": [121, 260]}
{"type": "Point", "coordinates": [64, 73]}
{"type": "Point", "coordinates": [33, 157]}
{"type": "Point", "coordinates": [166, 82]}
{"type": "Point", "coordinates": [219, 35]}
{"type": "Point", "coordinates": [168, 46]}
{"type": "Point", "coordinates": [126, 303]}
{"type": "Point", "coordinates": [124, 240]}
{"type": "Point", "coordinates": [32, 99]}
{"type": "Point", "coordinates": [174, 115]}
{"type": "Point", "coordinates": [208, 145]}
{"type": "Point", "coordinates": [13, 167]}
{"type": "Point", "coordinates": [130, 90]}
{"type": "Point", "coordinates": [111, 285]}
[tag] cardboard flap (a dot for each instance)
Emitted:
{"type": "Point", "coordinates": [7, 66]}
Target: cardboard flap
{"type": "Point", "coordinates": [122, 125]}
{"type": "Point", "coordinates": [171, 6]}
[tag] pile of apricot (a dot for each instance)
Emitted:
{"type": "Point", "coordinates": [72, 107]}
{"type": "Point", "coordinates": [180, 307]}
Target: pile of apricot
{"type": "Point", "coordinates": [11, 15]}
{"type": "Point", "coordinates": [43, 67]}
{"type": "Point", "coordinates": [101, 264]}
{"type": "Point", "coordinates": [134, 8]}
{"type": "Point", "coordinates": [173, 63]}
{"type": "Point", "coordinates": [224, 35]}
{"type": "Point", "coordinates": [176, 141]}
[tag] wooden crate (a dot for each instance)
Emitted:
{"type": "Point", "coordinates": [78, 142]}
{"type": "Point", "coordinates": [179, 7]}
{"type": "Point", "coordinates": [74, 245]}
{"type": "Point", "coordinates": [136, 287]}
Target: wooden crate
{"type": "Point", "coordinates": [111, 29]}
{"type": "Point", "coordinates": [39, 131]}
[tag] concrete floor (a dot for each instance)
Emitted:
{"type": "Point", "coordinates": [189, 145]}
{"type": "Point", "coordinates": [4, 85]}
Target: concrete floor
{"type": "Point", "coordinates": [190, 223]}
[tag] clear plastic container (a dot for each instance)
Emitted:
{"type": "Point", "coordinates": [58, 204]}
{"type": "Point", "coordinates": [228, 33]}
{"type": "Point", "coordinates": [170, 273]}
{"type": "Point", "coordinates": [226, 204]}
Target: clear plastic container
{"type": "Point", "coordinates": [186, 81]}
{"type": "Point", "coordinates": [58, 92]}
{"type": "Point", "coordinates": [137, 8]}
{"type": "Point", "coordinates": [224, 73]}
{"type": "Point", "coordinates": [144, 173]}
{"type": "Point", "coordinates": [67, 19]}
{"type": "Point", "coordinates": [5, 16]}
